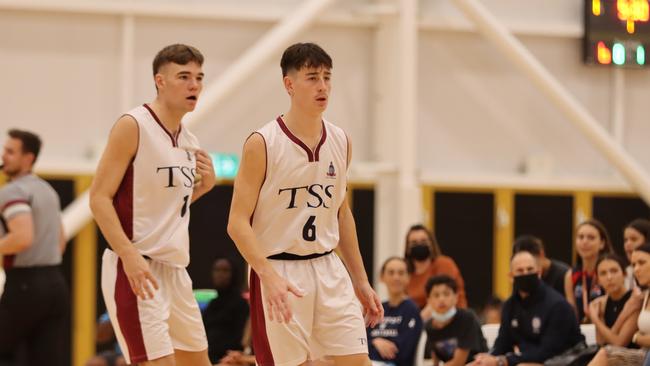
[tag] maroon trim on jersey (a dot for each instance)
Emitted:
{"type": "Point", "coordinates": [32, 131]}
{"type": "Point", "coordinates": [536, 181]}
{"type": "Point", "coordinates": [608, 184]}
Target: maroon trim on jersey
{"type": "Point", "coordinates": [123, 202]}
{"type": "Point", "coordinates": [153, 114]}
{"type": "Point", "coordinates": [261, 345]}
{"type": "Point", "coordinates": [310, 154]}
{"type": "Point", "coordinates": [8, 261]}
{"type": "Point", "coordinates": [128, 317]}
{"type": "Point", "coordinates": [321, 142]}
{"type": "Point", "coordinates": [266, 167]}
{"type": "Point", "coordinates": [11, 203]}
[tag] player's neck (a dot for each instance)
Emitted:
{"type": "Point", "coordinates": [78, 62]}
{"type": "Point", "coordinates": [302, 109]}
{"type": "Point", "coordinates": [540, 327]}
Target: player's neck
{"type": "Point", "coordinates": [304, 125]}
{"type": "Point", "coordinates": [169, 117]}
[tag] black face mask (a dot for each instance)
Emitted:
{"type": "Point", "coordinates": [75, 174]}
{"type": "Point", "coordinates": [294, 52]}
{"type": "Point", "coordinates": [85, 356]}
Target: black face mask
{"type": "Point", "coordinates": [526, 283]}
{"type": "Point", "coordinates": [420, 252]}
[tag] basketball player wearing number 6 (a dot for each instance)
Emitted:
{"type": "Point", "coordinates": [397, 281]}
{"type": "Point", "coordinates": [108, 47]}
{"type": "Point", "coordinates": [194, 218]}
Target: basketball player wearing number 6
{"type": "Point", "coordinates": [288, 213]}
{"type": "Point", "coordinates": [146, 179]}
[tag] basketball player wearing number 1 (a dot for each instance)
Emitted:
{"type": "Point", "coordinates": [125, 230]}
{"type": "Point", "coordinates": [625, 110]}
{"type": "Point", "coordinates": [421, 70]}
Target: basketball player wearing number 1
{"type": "Point", "coordinates": [288, 214]}
{"type": "Point", "coordinates": [146, 179]}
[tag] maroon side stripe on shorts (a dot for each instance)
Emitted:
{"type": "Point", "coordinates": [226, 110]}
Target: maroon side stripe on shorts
{"type": "Point", "coordinates": [263, 354]}
{"type": "Point", "coordinates": [8, 261]}
{"type": "Point", "coordinates": [128, 316]}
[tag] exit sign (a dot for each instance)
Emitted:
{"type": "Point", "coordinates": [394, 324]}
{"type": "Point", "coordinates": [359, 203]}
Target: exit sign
{"type": "Point", "coordinates": [225, 165]}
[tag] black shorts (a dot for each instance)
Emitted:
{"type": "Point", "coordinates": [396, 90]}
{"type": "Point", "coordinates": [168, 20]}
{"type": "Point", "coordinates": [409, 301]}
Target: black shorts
{"type": "Point", "coordinates": [34, 314]}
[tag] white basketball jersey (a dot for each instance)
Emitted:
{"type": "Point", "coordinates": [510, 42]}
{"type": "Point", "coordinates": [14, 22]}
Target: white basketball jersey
{"type": "Point", "coordinates": [298, 204]}
{"type": "Point", "coordinates": [153, 199]}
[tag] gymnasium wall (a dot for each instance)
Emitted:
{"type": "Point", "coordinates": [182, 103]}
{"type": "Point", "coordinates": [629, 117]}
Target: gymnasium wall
{"type": "Point", "coordinates": [61, 77]}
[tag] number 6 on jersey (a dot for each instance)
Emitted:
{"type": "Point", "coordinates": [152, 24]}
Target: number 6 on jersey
{"type": "Point", "coordinates": [309, 230]}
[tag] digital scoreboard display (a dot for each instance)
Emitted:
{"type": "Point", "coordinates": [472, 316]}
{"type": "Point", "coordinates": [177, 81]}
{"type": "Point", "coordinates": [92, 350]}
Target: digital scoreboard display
{"type": "Point", "coordinates": [617, 32]}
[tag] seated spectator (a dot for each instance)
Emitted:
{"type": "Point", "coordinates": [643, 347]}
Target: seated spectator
{"type": "Point", "coordinates": [394, 340]}
{"type": "Point", "coordinates": [614, 355]}
{"type": "Point", "coordinates": [537, 322]}
{"type": "Point", "coordinates": [491, 313]}
{"type": "Point", "coordinates": [425, 260]}
{"type": "Point", "coordinates": [604, 311]}
{"type": "Point", "coordinates": [454, 335]}
{"type": "Point", "coordinates": [580, 284]}
{"type": "Point", "coordinates": [553, 271]}
{"type": "Point", "coordinates": [635, 233]}
{"type": "Point", "coordinates": [111, 354]}
{"type": "Point", "coordinates": [611, 328]}
{"type": "Point", "coordinates": [225, 317]}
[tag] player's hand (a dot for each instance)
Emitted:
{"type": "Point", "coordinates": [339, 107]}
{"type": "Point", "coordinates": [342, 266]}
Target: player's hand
{"type": "Point", "coordinates": [594, 310]}
{"type": "Point", "coordinates": [373, 312]}
{"type": "Point", "coordinates": [140, 278]}
{"type": "Point", "coordinates": [276, 291]}
{"type": "Point", "coordinates": [387, 349]}
{"type": "Point", "coordinates": [232, 357]}
{"type": "Point", "coordinates": [205, 179]}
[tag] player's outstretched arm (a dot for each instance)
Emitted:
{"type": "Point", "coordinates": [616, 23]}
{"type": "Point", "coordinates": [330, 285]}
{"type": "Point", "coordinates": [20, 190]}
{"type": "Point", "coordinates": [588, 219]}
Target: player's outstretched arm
{"type": "Point", "coordinates": [246, 190]}
{"type": "Point", "coordinates": [120, 150]}
{"type": "Point", "coordinates": [349, 248]}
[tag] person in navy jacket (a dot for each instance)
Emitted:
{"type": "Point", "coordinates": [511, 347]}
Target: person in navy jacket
{"type": "Point", "coordinates": [395, 339]}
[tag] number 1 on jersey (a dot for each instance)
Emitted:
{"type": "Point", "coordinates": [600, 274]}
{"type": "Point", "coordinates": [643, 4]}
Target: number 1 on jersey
{"type": "Point", "coordinates": [184, 208]}
{"type": "Point", "coordinates": [309, 230]}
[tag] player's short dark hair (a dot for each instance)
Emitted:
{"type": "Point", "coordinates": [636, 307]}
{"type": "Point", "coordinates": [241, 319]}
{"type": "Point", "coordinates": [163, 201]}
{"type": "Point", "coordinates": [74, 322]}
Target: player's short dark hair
{"type": "Point", "coordinates": [302, 55]}
{"type": "Point", "coordinates": [528, 243]}
{"type": "Point", "coordinates": [180, 54]}
{"type": "Point", "coordinates": [441, 280]}
{"type": "Point", "coordinates": [30, 141]}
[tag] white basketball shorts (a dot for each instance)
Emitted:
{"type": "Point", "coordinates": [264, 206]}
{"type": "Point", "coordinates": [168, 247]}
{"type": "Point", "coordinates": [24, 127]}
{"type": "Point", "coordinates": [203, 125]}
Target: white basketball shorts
{"type": "Point", "coordinates": [327, 320]}
{"type": "Point", "coordinates": [150, 329]}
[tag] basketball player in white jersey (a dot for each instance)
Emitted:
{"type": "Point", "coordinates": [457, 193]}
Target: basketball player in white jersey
{"type": "Point", "coordinates": [146, 179]}
{"type": "Point", "coordinates": [288, 213]}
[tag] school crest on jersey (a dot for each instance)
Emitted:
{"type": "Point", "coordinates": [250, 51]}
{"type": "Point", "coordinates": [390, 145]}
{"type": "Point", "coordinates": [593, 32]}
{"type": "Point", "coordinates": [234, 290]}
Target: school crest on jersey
{"type": "Point", "coordinates": [331, 172]}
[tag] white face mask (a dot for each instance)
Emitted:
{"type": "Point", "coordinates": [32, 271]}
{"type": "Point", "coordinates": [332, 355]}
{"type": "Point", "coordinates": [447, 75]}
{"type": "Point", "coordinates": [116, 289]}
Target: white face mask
{"type": "Point", "coordinates": [441, 318]}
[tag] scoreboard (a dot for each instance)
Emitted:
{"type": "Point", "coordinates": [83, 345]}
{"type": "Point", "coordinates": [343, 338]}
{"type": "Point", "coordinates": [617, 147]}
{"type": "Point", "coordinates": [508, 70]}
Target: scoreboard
{"type": "Point", "coordinates": [617, 32]}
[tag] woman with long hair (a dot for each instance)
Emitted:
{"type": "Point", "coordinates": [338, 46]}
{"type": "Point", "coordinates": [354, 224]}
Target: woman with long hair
{"type": "Point", "coordinates": [604, 311]}
{"type": "Point", "coordinates": [612, 355]}
{"type": "Point", "coordinates": [580, 284]}
{"type": "Point", "coordinates": [635, 233]}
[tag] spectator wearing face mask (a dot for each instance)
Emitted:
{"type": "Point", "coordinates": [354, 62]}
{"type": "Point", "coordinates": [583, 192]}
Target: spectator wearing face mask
{"type": "Point", "coordinates": [454, 335]}
{"type": "Point", "coordinates": [537, 323]}
{"type": "Point", "coordinates": [425, 260]}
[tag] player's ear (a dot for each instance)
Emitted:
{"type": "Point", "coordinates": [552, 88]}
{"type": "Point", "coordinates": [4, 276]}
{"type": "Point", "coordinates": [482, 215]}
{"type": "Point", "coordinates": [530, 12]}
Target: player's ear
{"type": "Point", "coordinates": [288, 84]}
{"type": "Point", "coordinates": [159, 80]}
